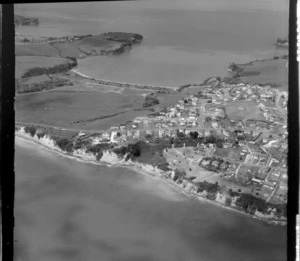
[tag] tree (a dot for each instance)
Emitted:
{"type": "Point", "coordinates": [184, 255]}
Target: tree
{"type": "Point", "coordinates": [64, 144]}
{"type": "Point", "coordinates": [219, 143]}
{"type": "Point", "coordinates": [194, 135]}
{"type": "Point", "coordinates": [211, 139]}
{"type": "Point", "coordinates": [31, 130]}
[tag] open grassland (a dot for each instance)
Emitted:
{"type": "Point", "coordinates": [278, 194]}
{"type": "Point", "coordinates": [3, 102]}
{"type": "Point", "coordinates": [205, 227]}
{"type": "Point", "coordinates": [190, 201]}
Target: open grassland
{"type": "Point", "coordinates": [36, 50]}
{"type": "Point", "coordinates": [167, 100]}
{"type": "Point", "coordinates": [65, 108]}
{"type": "Point", "coordinates": [92, 45]}
{"type": "Point", "coordinates": [243, 110]}
{"type": "Point", "coordinates": [25, 63]}
{"type": "Point", "coordinates": [96, 43]}
{"type": "Point", "coordinates": [271, 71]}
{"type": "Point", "coordinates": [105, 124]}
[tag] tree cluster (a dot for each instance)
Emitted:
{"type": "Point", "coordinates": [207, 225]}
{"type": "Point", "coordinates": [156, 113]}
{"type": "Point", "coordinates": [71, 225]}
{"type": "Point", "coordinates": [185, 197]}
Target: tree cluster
{"type": "Point", "coordinates": [36, 71]}
{"type": "Point", "coordinates": [64, 144]}
{"type": "Point", "coordinates": [150, 100]}
{"type": "Point", "coordinates": [179, 175]}
{"type": "Point", "coordinates": [210, 188]}
{"type": "Point", "coordinates": [30, 130]}
{"type": "Point", "coordinates": [250, 204]}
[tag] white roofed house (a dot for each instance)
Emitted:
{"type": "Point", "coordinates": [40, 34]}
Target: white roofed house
{"type": "Point", "coordinates": [81, 134]}
{"type": "Point", "coordinates": [149, 132]}
{"type": "Point", "coordinates": [206, 133]}
{"type": "Point", "coordinates": [112, 136]}
{"type": "Point", "coordinates": [187, 132]}
{"type": "Point", "coordinates": [106, 136]}
{"type": "Point", "coordinates": [136, 134]}
{"type": "Point", "coordinates": [160, 133]}
{"type": "Point", "coordinates": [215, 125]}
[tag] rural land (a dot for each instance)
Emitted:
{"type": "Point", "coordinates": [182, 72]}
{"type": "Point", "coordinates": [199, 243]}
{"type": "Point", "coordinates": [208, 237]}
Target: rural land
{"type": "Point", "coordinates": [223, 140]}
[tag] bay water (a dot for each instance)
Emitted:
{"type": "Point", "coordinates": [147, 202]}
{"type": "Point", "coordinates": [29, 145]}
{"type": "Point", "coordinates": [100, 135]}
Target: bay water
{"type": "Point", "coordinates": [184, 41]}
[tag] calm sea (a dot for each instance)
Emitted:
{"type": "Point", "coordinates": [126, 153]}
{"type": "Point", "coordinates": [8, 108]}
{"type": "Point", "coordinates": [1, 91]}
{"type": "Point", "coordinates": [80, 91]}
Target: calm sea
{"type": "Point", "coordinates": [184, 41]}
{"type": "Point", "coordinates": [69, 210]}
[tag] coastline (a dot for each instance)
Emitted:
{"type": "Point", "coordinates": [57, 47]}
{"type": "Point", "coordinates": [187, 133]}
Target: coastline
{"type": "Point", "coordinates": [112, 160]}
{"type": "Point", "coordinates": [123, 84]}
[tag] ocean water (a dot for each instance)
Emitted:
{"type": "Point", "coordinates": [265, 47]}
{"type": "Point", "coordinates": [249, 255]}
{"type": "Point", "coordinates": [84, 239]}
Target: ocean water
{"type": "Point", "coordinates": [184, 41]}
{"type": "Point", "coordinates": [69, 210]}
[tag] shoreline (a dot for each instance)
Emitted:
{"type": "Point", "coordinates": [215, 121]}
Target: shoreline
{"type": "Point", "coordinates": [140, 168]}
{"type": "Point", "coordinates": [123, 84]}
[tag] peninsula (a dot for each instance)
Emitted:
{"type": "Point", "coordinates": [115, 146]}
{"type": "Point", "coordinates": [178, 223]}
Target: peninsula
{"type": "Point", "coordinates": [224, 140]}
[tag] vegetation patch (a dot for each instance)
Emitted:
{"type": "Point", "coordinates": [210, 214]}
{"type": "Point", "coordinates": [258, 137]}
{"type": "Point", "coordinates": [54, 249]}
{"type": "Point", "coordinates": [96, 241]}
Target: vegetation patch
{"type": "Point", "coordinates": [41, 86]}
{"type": "Point", "coordinates": [28, 66]}
{"type": "Point", "coordinates": [150, 100]}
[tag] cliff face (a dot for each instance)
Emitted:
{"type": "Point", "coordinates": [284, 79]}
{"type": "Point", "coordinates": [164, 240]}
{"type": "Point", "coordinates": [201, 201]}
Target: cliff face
{"type": "Point", "coordinates": [110, 157]}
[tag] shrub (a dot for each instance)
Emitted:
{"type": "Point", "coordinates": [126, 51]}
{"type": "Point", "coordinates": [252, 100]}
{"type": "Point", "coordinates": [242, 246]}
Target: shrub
{"type": "Point", "coordinates": [209, 187]}
{"type": "Point", "coordinates": [179, 174]}
{"type": "Point", "coordinates": [99, 155]}
{"type": "Point", "coordinates": [40, 135]}
{"type": "Point", "coordinates": [233, 193]}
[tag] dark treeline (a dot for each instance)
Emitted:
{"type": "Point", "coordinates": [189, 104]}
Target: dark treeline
{"type": "Point", "coordinates": [45, 85]}
{"type": "Point", "coordinates": [36, 71]}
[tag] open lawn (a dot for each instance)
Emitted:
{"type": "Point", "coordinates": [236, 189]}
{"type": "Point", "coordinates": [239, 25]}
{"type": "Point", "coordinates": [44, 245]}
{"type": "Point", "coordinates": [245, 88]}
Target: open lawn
{"type": "Point", "coordinates": [185, 159]}
{"type": "Point", "coordinates": [230, 153]}
{"type": "Point", "coordinates": [243, 110]}
{"type": "Point", "coordinates": [24, 63]}
{"type": "Point", "coordinates": [244, 175]}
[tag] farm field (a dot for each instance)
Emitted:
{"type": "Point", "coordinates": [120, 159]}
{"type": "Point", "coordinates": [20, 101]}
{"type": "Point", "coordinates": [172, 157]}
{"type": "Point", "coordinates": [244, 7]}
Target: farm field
{"type": "Point", "coordinates": [63, 108]}
{"type": "Point", "coordinates": [105, 124]}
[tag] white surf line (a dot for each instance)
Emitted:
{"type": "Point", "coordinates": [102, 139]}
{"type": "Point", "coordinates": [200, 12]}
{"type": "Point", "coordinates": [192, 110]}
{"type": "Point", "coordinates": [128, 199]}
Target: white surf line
{"type": "Point", "coordinates": [122, 83]}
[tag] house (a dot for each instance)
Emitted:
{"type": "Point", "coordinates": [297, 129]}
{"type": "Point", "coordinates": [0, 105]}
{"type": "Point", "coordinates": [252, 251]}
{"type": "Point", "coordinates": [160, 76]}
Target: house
{"type": "Point", "coordinates": [205, 162]}
{"type": "Point", "coordinates": [81, 134]}
{"type": "Point", "coordinates": [106, 136]}
{"type": "Point", "coordinates": [136, 134]}
{"type": "Point", "coordinates": [112, 136]}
